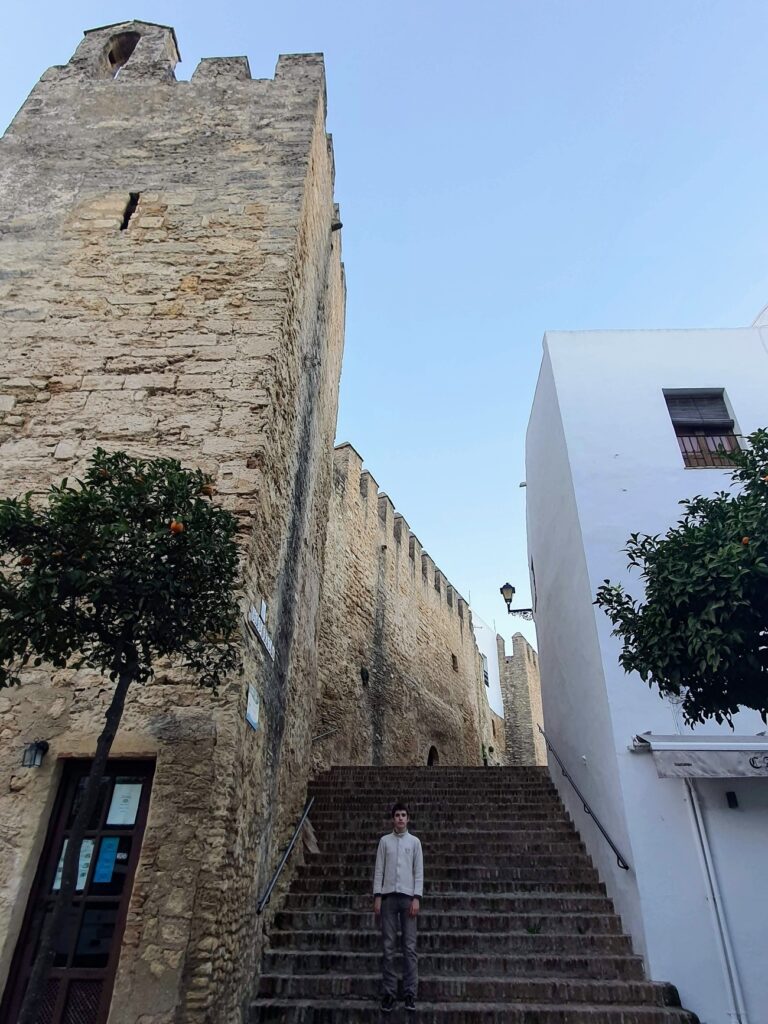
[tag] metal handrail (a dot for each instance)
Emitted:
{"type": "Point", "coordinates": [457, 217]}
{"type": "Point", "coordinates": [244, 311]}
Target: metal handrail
{"type": "Point", "coordinates": [619, 859]}
{"type": "Point", "coordinates": [322, 735]}
{"type": "Point", "coordinates": [268, 891]}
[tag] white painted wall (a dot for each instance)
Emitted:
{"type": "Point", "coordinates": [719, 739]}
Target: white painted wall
{"type": "Point", "coordinates": [603, 461]}
{"type": "Point", "coordinates": [485, 637]}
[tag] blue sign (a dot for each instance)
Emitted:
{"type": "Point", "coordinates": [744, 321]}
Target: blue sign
{"type": "Point", "coordinates": [105, 865]}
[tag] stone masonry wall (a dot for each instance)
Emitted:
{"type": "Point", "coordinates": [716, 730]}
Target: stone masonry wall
{"type": "Point", "coordinates": [521, 693]}
{"type": "Point", "coordinates": [497, 740]}
{"type": "Point", "coordinates": [399, 667]}
{"type": "Point", "coordinates": [206, 326]}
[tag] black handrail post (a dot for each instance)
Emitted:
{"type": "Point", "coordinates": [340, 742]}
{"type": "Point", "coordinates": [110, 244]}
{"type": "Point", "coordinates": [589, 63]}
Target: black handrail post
{"type": "Point", "coordinates": [268, 891]}
{"type": "Point", "coordinates": [624, 864]}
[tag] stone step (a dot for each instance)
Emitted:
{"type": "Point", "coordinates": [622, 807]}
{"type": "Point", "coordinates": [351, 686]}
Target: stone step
{"type": "Point", "coordinates": [384, 799]}
{"type": "Point", "coordinates": [472, 887]}
{"type": "Point", "coordinates": [358, 1011]}
{"type": "Point", "coordinates": [468, 797]}
{"type": "Point", "coordinates": [531, 842]}
{"type": "Point", "coordinates": [520, 868]}
{"type": "Point", "coordinates": [456, 941]}
{"type": "Point", "coordinates": [382, 802]}
{"type": "Point", "coordinates": [337, 984]}
{"type": "Point", "coordinates": [376, 771]}
{"type": "Point", "coordinates": [348, 862]}
{"type": "Point", "coordinates": [490, 775]}
{"type": "Point", "coordinates": [390, 794]}
{"type": "Point", "coordinates": [494, 903]}
{"type": "Point", "coordinates": [428, 833]}
{"type": "Point", "coordinates": [458, 778]}
{"type": "Point", "coordinates": [437, 818]}
{"type": "Point", "coordinates": [599, 967]}
{"type": "Point", "coordinates": [429, 920]}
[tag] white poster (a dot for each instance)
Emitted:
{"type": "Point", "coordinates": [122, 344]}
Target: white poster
{"type": "Point", "coordinates": [86, 853]}
{"type": "Point", "coordinates": [125, 803]}
{"type": "Point", "coordinates": [252, 708]}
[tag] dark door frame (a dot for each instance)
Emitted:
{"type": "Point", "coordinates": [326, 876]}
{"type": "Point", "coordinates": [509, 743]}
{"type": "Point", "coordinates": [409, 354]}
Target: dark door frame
{"type": "Point", "coordinates": [73, 770]}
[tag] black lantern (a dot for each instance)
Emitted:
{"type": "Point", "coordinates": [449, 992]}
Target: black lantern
{"type": "Point", "coordinates": [34, 753]}
{"type": "Point", "coordinates": [507, 592]}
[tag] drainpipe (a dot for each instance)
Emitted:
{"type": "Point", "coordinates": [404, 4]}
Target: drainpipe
{"type": "Point", "coordinates": [738, 1012]}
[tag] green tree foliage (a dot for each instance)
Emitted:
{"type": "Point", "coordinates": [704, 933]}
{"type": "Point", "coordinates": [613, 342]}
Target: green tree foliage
{"type": "Point", "coordinates": [701, 633]}
{"type": "Point", "coordinates": [131, 564]}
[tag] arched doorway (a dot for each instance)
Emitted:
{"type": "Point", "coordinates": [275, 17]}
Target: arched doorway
{"type": "Point", "coordinates": [432, 757]}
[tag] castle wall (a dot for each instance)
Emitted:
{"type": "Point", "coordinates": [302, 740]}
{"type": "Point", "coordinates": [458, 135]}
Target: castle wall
{"type": "Point", "coordinates": [399, 667]}
{"type": "Point", "coordinates": [210, 328]}
{"type": "Point", "coordinates": [497, 749]}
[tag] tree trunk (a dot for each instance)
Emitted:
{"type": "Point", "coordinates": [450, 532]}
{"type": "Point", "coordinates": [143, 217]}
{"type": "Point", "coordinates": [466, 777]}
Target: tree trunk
{"type": "Point", "coordinates": [41, 966]}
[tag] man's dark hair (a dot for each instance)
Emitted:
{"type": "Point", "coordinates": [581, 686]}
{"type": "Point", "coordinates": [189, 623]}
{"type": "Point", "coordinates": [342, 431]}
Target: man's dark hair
{"type": "Point", "coordinates": [399, 807]}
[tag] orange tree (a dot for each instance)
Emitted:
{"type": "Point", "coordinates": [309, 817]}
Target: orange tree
{"type": "Point", "coordinates": [701, 632]}
{"type": "Point", "coordinates": [130, 564]}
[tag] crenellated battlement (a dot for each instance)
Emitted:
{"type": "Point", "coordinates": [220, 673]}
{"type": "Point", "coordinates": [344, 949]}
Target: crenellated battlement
{"type": "Point", "coordinates": [145, 51]}
{"type": "Point", "coordinates": [400, 671]}
{"type": "Point", "coordinates": [347, 472]}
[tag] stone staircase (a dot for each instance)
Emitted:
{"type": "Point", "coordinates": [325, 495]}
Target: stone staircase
{"type": "Point", "coordinates": [515, 926]}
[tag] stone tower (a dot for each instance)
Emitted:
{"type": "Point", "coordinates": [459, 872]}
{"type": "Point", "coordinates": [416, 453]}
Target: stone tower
{"type": "Point", "coordinates": [521, 692]}
{"type": "Point", "coordinates": [171, 285]}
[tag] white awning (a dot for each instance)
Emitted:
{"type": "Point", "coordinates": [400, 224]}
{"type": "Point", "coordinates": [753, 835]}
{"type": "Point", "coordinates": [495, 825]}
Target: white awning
{"type": "Point", "coordinates": [708, 757]}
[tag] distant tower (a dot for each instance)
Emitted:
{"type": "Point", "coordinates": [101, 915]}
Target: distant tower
{"type": "Point", "coordinates": [521, 691]}
{"type": "Point", "coordinates": [171, 285]}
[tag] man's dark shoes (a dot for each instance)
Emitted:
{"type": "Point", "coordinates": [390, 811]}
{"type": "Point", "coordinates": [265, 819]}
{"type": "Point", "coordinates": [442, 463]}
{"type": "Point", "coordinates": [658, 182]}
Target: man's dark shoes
{"type": "Point", "coordinates": [387, 1004]}
{"type": "Point", "coordinates": [410, 1003]}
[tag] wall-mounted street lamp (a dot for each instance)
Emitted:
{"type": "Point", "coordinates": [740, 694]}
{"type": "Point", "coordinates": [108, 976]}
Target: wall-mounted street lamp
{"type": "Point", "coordinates": [508, 592]}
{"type": "Point", "coordinates": [34, 753]}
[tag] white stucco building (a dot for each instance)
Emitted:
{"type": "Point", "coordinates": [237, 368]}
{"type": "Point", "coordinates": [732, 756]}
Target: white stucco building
{"type": "Point", "coordinates": [485, 637]}
{"type": "Point", "coordinates": [603, 460]}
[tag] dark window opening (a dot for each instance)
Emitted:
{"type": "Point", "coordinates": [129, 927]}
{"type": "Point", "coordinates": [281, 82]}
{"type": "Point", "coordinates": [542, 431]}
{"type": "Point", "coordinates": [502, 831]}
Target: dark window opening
{"type": "Point", "coordinates": [433, 757]}
{"type": "Point", "coordinates": [130, 209]}
{"type": "Point", "coordinates": [703, 426]}
{"type": "Point", "coordinates": [120, 49]}
{"type": "Point", "coordinates": [493, 728]}
{"type": "Point", "coordinates": [455, 663]}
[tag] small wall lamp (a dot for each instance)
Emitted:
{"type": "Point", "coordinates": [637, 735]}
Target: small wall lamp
{"type": "Point", "coordinates": [34, 753]}
{"type": "Point", "coordinates": [508, 592]}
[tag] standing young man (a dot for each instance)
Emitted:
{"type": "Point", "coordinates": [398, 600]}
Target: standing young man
{"type": "Point", "coordinates": [398, 883]}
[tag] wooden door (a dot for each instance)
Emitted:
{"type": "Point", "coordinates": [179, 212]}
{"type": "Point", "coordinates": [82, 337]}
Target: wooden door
{"type": "Point", "coordinates": [79, 988]}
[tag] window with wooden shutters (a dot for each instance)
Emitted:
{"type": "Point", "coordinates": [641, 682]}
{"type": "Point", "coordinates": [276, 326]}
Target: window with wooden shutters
{"type": "Point", "coordinates": [703, 426]}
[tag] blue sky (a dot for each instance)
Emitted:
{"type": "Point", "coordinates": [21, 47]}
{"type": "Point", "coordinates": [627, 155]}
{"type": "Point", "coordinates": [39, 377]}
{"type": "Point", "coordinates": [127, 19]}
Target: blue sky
{"type": "Point", "coordinates": [503, 168]}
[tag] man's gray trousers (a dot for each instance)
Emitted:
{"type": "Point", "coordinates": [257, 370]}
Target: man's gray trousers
{"type": "Point", "coordinates": [394, 914]}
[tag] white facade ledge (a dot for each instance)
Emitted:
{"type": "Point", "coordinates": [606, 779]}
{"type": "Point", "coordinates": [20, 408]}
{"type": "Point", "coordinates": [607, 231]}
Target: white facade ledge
{"type": "Point", "coordinates": [711, 757]}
